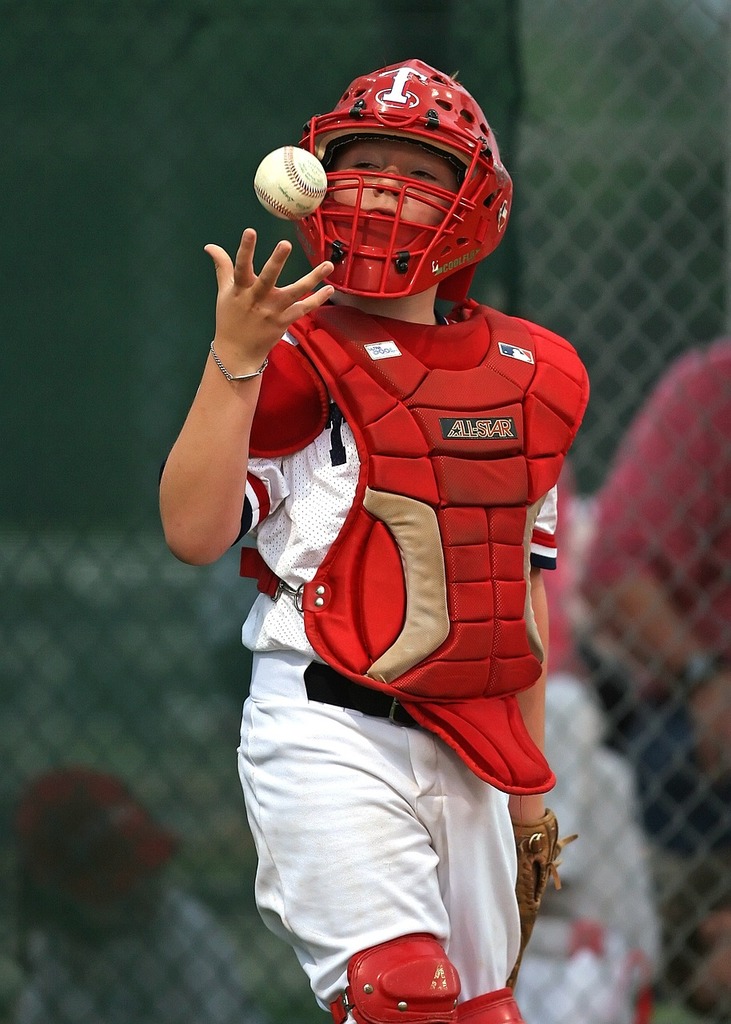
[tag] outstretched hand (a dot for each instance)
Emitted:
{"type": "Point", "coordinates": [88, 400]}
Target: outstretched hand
{"type": "Point", "coordinates": [252, 311]}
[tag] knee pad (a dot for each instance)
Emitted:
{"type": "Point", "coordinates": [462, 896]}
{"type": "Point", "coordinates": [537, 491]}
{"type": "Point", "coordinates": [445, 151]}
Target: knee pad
{"type": "Point", "coordinates": [408, 980]}
{"type": "Point", "coordinates": [497, 1007]}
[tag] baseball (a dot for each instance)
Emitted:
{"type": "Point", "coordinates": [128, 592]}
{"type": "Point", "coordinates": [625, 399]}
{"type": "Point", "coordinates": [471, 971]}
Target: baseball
{"type": "Point", "coordinates": [290, 183]}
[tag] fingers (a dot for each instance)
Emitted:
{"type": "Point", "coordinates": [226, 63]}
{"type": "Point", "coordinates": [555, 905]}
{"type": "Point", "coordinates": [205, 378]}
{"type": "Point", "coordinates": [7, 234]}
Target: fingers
{"type": "Point", "coordinates": [312, 301]}
{"type": "Point", "coordinates": [316, 275]}
{"type": "Point", "coordinates": [273, 267]}
{"type": "Point", "coordinates": [308, 283]}
{"type": "Point", "coordinates": [289, 301]}
{"type": "Point", "coordinates": [242, 269]}
{"type": "Point", "coordinates": [221, 262]}
{"type": "Point", "coordinates": [308, 293]}
{"type": "Point", "coordinates": [244, 276]}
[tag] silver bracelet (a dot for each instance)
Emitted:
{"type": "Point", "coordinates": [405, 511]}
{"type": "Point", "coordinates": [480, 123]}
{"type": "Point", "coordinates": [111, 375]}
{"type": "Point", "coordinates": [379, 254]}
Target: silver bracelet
{"type": "Point", "coordinates": [243, 376]}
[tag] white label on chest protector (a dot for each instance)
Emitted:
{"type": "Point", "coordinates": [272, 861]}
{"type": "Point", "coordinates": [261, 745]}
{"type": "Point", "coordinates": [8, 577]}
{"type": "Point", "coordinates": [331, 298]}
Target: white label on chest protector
{"type": "Point", "coordinates": [382, 349]}
{"type": "Point", "coordinates": [523, 354]}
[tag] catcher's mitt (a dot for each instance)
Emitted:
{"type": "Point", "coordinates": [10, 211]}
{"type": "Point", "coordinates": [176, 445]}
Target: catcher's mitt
{"type": "Point", "coordinates": [539, 849]}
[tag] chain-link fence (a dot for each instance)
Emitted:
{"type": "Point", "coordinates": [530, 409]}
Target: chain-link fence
{"type": "Point", "coordinates": [623, 161]}
{"type": "Point", "coordinates": [131, 136]}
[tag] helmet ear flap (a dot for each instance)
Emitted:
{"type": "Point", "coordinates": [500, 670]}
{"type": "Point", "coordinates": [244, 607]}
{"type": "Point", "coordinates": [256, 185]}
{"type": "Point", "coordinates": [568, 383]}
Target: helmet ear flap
{"type": "Point", "coordinates": [456, 287]}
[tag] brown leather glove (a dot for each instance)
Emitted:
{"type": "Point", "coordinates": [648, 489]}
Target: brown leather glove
{"type": "Point", "coordinates": [539, 849]}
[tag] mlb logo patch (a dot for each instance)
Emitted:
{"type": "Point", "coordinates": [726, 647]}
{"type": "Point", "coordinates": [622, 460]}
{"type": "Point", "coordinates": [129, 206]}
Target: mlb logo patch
{"type": "Point", "coordinates": [382, 349]}
{"type": "Point", "coordinates": [513, 352]}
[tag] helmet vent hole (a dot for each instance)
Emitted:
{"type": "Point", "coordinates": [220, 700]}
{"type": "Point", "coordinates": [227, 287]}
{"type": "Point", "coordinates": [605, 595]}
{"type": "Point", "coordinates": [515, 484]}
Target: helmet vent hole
{"type": "Point", "coordinates": [467, 116]}
{"type": "Point", "coordinates": [444, 104]}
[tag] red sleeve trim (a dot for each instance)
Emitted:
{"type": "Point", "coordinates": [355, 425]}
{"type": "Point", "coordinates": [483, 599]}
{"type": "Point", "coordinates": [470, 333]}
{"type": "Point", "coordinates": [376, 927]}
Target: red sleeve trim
{"type": "Point", "coordinates": [258, 497]}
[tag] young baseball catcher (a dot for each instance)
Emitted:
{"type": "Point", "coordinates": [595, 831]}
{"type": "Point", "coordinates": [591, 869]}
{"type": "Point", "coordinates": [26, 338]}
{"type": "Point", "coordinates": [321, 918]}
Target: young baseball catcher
{"type": "Point", "coordinates": [397, 467]}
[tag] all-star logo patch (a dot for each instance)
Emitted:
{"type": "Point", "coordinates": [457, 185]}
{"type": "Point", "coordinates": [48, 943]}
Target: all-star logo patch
{"type": "Point", "coordinates": [513, 352]}
{"type": "Point", "coordinates": [382, 349]}
{"type": "Point", "coordinates": [478, 428]}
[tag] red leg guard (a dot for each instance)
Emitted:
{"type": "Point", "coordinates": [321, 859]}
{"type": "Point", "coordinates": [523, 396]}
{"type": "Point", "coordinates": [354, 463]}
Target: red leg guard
{"type": "Point", "coordinates": [408, 980]}
{"type": "Point", "coordinates": [492, 1008]}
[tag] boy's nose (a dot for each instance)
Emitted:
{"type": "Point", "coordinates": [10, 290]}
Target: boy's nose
{"type": "Point", "coordinates": [381, 183]}
{"type": "Point", "coordinates": [388, 170]}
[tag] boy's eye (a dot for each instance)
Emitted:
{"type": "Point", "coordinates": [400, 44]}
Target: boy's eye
{"type": "Point", "coordinates": [370, 165]}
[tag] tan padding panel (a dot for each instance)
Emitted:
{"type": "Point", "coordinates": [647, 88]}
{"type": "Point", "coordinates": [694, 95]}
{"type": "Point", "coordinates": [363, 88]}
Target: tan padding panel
{"type": "Point", "coordinates": [416, 531]}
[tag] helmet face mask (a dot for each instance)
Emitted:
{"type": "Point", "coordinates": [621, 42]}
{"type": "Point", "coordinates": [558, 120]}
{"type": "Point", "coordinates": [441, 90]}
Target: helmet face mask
{"type": "Point", "coordinates": [423, 234]}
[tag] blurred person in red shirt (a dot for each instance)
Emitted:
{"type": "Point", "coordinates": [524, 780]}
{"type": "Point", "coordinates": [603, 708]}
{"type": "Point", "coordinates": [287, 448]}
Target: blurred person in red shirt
{"type": "Point", "coordinates": [658, 579]}
{"type": "Point", "coordinates": [595, 947]}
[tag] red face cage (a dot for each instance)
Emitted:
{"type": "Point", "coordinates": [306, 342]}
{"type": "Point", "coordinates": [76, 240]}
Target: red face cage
{"type": "Point", "coordinates": [385, 255]}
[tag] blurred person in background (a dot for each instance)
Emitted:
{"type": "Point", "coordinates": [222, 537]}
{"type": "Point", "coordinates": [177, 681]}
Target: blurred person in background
{"type": "Point", "coordinates": [658, 578]}
{"type": "Point", "coordinates": [595, 946]}
{"type": "Point", "coordinates": [102, 938]}
{"type": "Point", "coordinates": [594, 950]}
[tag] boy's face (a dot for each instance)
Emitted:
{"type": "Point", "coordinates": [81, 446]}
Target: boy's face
{"type": "Point", "coordinates": [374, 158]}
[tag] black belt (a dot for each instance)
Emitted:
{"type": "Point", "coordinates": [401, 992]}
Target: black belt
{"type": "Point", "coordinates": [327, 686]}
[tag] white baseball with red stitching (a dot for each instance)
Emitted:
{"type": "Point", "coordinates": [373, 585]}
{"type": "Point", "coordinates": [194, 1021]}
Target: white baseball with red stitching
{"type": "Point", "coordinates": [290, 182]}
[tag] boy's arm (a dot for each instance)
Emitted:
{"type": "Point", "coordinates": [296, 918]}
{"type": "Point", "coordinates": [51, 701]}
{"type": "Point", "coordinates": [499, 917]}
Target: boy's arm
{"type": "Point", "coordinates": [537, 838]}
{"type": "Point", "coordinates": [536, 833]}
{"type": "Point", "coordinates": [533, 702]}
{"type": "Point", "coordinates": [203, 483]}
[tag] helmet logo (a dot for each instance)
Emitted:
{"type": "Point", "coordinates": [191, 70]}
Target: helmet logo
{"type": "Point", "coordinates": [458, 261]}
{"type": "Point", "coordinates": [397, 93]}
{"type": "Point", "coordinates": [502, 215]}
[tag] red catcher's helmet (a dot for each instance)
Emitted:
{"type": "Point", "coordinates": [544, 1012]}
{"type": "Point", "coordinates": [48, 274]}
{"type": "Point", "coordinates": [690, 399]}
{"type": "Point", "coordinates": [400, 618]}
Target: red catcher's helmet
{"type": "Point", "coordinates": [375, 254]}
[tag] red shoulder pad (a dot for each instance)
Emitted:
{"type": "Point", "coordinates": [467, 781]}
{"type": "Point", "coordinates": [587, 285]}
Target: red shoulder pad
{"type": "Point", "coordinates": [554, 407]}
{"type": "Point", "coordinates": [561, 377]}
{"type": "Point", "coordinates": [293, 405]}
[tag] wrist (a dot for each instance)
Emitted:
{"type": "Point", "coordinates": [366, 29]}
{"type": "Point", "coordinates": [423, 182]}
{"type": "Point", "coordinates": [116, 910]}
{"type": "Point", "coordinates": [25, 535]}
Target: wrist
{"type": "Point", "coordinates": [525, 809]}
{"type": "Point", "coordinates": [236, 376]}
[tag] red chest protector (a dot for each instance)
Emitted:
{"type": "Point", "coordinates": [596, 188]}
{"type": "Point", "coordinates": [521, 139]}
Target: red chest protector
{"type": "Point", "coordinates": [423, 593]}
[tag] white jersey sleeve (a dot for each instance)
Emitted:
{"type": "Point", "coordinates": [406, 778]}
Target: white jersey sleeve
{"type": "Point", "coordinates": [296, 507]}
{"type": "Point", "coordinates": [543, 550]}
